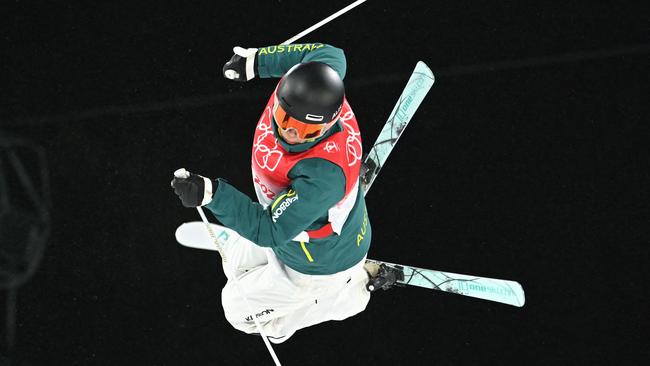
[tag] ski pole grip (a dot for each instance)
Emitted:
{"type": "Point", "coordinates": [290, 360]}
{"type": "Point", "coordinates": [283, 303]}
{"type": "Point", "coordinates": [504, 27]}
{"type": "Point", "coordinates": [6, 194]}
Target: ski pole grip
{"type": "Point", "coordinates": [182, 173]}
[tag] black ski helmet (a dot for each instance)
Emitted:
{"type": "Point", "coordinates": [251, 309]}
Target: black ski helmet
{"type": "Point", "coordinates": [311, 92]}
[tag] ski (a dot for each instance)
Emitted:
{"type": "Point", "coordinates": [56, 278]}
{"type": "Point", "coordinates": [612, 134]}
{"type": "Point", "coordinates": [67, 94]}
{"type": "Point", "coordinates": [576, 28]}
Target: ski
{"type": "Point", "coordinates": [412, 96]}
{"type": "Point", "coordinates": [194, 235]}
{"type": "Point", "coordinates": [492, 289]}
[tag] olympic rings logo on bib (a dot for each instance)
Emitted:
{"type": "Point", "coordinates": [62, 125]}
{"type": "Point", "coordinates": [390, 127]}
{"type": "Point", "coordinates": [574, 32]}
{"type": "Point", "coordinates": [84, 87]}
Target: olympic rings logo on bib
{"type": "Point", "coordinates": [266, 157]}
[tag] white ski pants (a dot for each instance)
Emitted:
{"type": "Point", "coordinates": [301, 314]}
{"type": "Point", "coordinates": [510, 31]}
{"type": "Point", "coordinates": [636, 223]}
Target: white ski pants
{"type": "Point", "coordinates": [282, 299]}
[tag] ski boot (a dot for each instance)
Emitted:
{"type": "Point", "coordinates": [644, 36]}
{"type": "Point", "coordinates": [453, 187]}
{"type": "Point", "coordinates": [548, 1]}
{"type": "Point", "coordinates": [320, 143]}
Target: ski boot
{"type": "Point", "coordinates": [382, 276]}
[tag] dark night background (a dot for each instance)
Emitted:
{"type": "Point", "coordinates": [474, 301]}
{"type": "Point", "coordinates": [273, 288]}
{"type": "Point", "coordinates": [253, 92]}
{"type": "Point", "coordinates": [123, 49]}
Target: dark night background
{"type": "Point", "coordinates": [527, 161]}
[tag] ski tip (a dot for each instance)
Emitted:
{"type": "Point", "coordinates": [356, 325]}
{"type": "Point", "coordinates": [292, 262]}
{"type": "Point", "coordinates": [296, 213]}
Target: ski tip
{"type": "Point", "coordinates": [428, 71]}
{"type": "Point", "coordinates": [520, 294]}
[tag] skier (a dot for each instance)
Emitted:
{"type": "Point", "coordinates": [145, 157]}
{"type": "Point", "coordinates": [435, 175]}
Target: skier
{"type": "Point", "coordinates": [308, 237]}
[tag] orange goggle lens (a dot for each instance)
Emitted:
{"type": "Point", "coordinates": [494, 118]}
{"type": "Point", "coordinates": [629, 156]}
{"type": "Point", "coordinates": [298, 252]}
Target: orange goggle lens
{"type": "Point", "coordinates": [305, 131]}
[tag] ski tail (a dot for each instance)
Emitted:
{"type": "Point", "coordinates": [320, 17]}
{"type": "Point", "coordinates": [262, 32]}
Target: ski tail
{"type": "Point", "coordinates": [491, 289]}
{"type": "Point", "coordinates": [412, 96]}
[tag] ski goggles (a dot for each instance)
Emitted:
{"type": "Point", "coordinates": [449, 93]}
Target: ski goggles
{"type": "Point", "coordinates": [304, 131]}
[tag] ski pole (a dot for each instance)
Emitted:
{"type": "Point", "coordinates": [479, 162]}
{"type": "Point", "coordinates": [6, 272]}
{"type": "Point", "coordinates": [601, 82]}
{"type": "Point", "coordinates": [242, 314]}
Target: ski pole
{"type": "Point", "coordinates": [182, 173]}
{"type": "Point", "coordinates": [324, 21]}
{"type": "Point", "coordinates": [236, 282]}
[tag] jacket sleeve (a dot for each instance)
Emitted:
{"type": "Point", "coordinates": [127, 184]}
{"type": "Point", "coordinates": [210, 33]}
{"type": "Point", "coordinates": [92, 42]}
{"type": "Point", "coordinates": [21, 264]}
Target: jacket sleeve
{"type": "Point", "coordinates": [275, 61]}
{"type": "Point", "coordinates": [316, 185]}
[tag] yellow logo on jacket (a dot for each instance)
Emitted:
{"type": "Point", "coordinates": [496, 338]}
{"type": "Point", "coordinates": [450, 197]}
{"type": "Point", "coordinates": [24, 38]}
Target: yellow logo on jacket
{"type": "Point", "coordinates": [290, 196]}
{"type": "Point", "coordinates": [290, 48]}
{"type": "Point", "coordinates": [364, 227]}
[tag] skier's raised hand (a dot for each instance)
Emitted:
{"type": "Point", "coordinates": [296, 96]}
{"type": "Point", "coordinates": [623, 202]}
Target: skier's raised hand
{"type": "Point", "coordinates": [242, 64]}
{"type": "Point", "coordinates": [193, 190]}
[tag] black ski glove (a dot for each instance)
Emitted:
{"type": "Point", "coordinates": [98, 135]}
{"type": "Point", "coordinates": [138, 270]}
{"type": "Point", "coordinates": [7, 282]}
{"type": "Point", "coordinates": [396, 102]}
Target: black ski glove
{"type": "Point", "coordinates": [242, 65]}
{"type": "Point", "coordinates": [193, 190]}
